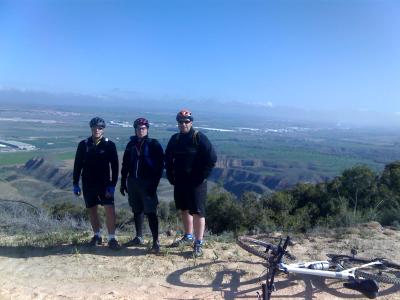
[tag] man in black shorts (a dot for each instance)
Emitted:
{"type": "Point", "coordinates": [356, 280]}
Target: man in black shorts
{"type": "Point", "coordinates": [93, 160]}
{"type": "Point", "coordinates": [142, 168]}
{"type": "Point", "coordinates": [189, 160]}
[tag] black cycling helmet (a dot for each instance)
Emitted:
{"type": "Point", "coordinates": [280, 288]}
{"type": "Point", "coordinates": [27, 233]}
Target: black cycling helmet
{"type": "Point", "coordinates": [97, 122]}
{"type": "Point", "coordinates": [141, 122]}
{"type": "Point", "coordinates": [184, 115]}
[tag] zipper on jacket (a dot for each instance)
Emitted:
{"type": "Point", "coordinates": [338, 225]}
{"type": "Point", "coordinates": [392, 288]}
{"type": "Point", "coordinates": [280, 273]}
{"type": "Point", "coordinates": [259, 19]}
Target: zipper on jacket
{"type": "Point", "coordinates": [138, 158]}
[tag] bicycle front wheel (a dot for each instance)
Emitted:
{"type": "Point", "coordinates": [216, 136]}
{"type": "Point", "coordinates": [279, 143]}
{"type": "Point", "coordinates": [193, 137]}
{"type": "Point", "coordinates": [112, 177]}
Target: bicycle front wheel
{"type": "Point", "coordinates": [385, 271]}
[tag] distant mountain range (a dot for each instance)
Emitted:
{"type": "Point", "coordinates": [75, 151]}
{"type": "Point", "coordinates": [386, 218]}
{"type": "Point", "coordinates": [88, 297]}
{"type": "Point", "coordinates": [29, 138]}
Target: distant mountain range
{"type": "Point", "coordinates": [118, 99]}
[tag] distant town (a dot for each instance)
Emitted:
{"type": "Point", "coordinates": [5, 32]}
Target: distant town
{"type": "Point", "coordinates": [13, 146]}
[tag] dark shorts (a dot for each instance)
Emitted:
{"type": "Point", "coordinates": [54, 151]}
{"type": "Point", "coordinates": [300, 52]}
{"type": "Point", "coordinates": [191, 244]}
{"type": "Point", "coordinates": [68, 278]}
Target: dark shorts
{"type": "Point", "coordinates": [140, 200]}
{"type": "Point", "coordinates": [190, 197]}
{"type": "Point", "coordinates": [95, 195]}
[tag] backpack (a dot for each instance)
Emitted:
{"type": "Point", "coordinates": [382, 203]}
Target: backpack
{"type": "Point", "coordinates": [195, 139]}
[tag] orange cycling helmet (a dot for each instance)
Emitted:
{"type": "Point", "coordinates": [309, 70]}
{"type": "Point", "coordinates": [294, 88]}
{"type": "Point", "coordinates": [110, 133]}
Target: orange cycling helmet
{"type": "Point", "coordinates": [184, 115]}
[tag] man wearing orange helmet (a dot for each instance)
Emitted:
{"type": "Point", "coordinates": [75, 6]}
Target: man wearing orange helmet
{"type": "Point", "coordinates": [189, 160]}
{"type": "Point", "coordinates": [142, 168]}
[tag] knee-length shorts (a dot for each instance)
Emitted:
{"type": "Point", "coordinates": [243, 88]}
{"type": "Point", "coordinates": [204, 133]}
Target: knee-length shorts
{"type": "Point", "coordinates": [190, 197]}
{"type": "Point", "coordinates": [140, 198]}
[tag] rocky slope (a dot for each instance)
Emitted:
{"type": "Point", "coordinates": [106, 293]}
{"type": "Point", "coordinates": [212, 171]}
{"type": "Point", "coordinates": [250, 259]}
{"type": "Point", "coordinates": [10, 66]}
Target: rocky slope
{"type": "Point", "coordinates": [235, 175]}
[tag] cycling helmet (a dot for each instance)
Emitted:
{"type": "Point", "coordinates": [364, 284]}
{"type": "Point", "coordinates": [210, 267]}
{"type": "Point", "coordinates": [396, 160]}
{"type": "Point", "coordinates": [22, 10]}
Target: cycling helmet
{"type": "Point", "coordinates": [184, 115]}
{"type": "Point", "coordinates": [97, 122]}
{"type": "Point", "coordinates": [141, 122]}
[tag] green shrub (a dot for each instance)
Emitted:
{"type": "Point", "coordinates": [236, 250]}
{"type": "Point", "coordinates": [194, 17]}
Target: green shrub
{"type": "Point", "coordinates": [60, 211]}
{"type": "Point", "coordinates": [223, 213]}
{"type": "Point", "coordinates": [389, 217]}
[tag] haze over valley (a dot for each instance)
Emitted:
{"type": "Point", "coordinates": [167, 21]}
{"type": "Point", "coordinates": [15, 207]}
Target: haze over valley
{"type": "Point", "coordinates": [259, 154]}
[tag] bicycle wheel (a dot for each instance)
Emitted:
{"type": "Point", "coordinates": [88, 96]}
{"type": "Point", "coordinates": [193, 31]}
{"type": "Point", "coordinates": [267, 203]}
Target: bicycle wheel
{"type": "Point", "coordinates": [256, 247]}
{"type": "Point", "coordinates": [260, 248]}
{"type": "Point", "coordinates": [385, 272]}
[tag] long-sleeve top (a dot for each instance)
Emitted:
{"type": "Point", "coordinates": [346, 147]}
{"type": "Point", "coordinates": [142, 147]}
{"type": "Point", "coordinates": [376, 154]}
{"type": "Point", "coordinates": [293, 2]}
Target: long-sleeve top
{"type": "Point", "coordinates": [189, 157]}
{"type": "Point", "coordinates": [143, 159]}
{"type": "Point", "coordinates": [97, 164]}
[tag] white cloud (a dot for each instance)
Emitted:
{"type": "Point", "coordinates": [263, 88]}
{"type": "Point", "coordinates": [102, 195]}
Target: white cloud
{"type": "Point", "coordinates": [264, 104]}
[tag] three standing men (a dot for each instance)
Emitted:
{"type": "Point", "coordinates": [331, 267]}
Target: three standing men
{"type": "Point", "coordinates": [189, 160]}
{"type": "Point", "coordinates": [93, 160]}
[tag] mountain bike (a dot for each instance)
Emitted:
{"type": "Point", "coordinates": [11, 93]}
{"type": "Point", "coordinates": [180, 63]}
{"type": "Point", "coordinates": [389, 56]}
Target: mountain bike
{"type": "Point", "coordinates": [360, 274]}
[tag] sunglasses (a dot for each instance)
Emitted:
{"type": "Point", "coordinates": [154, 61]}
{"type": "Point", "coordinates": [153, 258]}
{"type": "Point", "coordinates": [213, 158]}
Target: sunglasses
{"type": "Point", "coordinates": [141, 128]}
{"type": "Point", "coordinates": [98, 127]}
{"type": "Point", "coordinates": [186, 122]}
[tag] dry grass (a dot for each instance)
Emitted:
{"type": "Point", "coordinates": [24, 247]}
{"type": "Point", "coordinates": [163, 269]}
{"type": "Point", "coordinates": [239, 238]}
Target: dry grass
{"type": "Point", "coordinates": [57, 264]}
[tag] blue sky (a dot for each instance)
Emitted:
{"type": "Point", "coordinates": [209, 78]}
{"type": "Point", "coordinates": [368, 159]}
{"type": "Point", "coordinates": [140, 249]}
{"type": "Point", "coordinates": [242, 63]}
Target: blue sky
{"type": "Point", "coordinates": [324, 55]}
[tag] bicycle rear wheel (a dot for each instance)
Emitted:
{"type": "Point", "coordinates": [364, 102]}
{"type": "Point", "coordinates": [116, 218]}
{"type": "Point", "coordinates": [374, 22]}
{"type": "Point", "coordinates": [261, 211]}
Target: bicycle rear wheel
{"type": "Point", "coordinates": [385, 272]}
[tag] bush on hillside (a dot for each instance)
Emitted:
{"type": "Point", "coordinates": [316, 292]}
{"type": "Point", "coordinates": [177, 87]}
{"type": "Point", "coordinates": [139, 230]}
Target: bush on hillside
{"type": "Point", "coordinates": [223, 213]}
{"type": "Point", "coordinates": [60, 211]}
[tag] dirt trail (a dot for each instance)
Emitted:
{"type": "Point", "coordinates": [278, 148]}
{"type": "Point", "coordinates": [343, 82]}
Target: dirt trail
{"type": "Point", "coordinates": [225, 272]}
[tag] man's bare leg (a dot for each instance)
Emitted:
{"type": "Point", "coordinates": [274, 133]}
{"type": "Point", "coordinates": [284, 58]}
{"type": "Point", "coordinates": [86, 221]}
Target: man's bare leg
{"type": "Point", "coordinates": [94, 219]}
{"type": "Point", "coordinates": [110, 218]}
{"type": "Point", "coordinates": [199, 224]}
{"type": "Point", "coordinates": [187, 220]}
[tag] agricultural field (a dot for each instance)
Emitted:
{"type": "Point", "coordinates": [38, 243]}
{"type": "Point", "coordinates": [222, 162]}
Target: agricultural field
{"type": "Point", "coordinates": [266, 147]}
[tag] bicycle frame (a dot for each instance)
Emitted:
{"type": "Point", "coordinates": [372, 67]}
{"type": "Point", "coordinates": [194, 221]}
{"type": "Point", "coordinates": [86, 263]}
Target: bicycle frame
{"type": "Point", "coordinates": [304, 268]}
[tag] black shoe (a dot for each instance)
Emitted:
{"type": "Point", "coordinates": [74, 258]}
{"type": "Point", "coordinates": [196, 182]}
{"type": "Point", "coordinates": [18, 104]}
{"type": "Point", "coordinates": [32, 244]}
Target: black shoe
{"type": "Point", "coordinates": [96, 240]}
{"type": "Point", "coordinates": [155, 249]}
{"type": "Point", "coordinates": [113, 244]}
{"type": "Point", "coordinates": [182, 242]}
{"type": "Point", "coordinates": [135, 242]}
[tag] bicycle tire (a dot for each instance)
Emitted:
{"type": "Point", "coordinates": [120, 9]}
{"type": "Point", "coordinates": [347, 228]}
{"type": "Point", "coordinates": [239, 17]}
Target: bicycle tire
{"type": "Point", "coordinates": [255, 246]}
{"type": "Point", "coordinates": [387, 272]}
{"type": "Point", "coordinates": [260, 248]}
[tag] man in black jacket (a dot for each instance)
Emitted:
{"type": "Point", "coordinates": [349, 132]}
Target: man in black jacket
{"type": "Point", "coordinates": [142, 168]}
{"type": "Point", "coordinates": [94, 157]}
{"type": "Point", "coordinates": [189, 160]}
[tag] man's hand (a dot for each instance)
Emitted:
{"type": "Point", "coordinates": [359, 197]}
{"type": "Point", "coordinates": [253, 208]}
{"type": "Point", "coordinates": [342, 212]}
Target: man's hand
{"type": "Point", "coordinates": [110, 190]}
{"type": "Point", "coordinates": [123, 189]}
{"type": "Point", "coordinates": [77, 190]}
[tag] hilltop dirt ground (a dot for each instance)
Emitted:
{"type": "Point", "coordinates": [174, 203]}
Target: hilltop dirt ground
{"type": "Point", "coordinates": [225, 272]}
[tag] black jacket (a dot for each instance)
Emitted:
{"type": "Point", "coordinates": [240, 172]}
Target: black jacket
{"type": "Point", "coordinates": [147, 163]}
{"type": "Point", "coordinates": [189, 158]}
{"type": "Point", "coordinates": [94, 162]}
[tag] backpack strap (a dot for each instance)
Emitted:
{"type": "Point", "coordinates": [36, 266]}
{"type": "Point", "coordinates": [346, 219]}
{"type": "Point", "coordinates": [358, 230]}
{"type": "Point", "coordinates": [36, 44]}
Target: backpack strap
{"type": "Point", "coordinates": [145, 152]}
{"type": "Point", "coordinates": [195, 139]}
{"type": "Point", "coordinates": [87, 143]}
